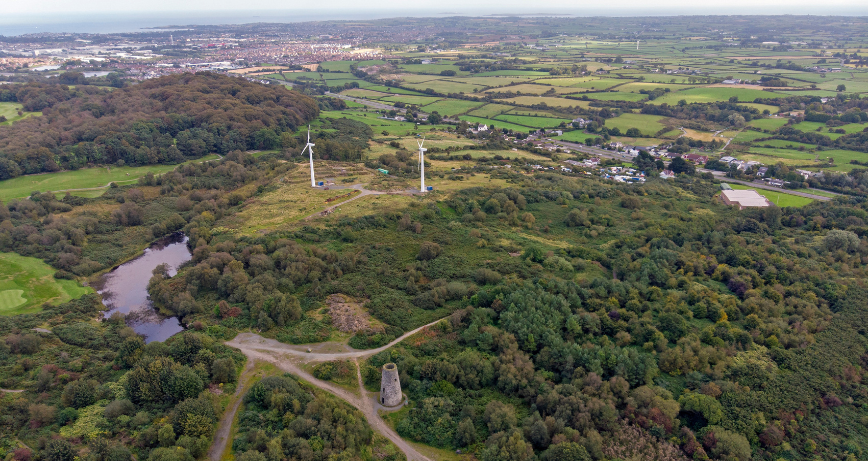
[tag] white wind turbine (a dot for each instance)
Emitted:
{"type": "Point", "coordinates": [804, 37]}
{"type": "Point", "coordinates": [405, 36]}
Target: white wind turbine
{"type": "Point", "coordinates": [422, 162]}
{"type": "Point", "coordinates": [309, 147]}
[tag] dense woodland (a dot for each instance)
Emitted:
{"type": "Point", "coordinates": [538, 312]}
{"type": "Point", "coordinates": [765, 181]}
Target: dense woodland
{"type": "Point", "coordinates": [161, 121]}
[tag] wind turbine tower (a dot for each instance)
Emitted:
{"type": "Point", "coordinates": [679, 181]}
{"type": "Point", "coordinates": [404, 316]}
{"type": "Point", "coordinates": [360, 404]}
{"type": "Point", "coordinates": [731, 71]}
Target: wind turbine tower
{"type": "Point", "coordinates": [637, 45]}
{"type": "Point", "coordinates": [422, 163]}
{"type": "Point", "coordinates": [309, 148]}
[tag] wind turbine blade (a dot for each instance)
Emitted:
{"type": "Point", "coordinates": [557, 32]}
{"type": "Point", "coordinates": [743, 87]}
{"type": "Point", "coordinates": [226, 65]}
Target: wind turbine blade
{"type": "Point", "coordinates": [308, 134]}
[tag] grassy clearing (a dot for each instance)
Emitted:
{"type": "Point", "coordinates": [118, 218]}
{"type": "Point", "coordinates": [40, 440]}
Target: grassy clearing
{"type": "Point", "coordinates": [27, 283]}
{"type": "Point", "coordinates": [86, 178]}
{"type": "Point", "coordinates": [781, 199]}
{"type": "Point", "coordinates": [700, 135]}
{"type": "Point", "coordinates": [10, 111]}
{"type": "Point", "coordinates": [294, 199]}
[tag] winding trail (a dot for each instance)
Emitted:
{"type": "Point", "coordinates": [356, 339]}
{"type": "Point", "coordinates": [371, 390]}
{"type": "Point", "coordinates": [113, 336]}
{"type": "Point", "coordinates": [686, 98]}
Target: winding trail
{"type": "Point", "coordinates": [289, 358]}
{"type": "Point", "coordinates": [221, 437]}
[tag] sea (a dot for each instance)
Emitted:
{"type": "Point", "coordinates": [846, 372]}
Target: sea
{"type": "Point", "coordinates": [12, 24]}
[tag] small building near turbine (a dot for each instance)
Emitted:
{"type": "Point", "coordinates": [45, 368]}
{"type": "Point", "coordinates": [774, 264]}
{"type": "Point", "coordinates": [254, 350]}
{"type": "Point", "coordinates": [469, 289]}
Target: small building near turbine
{"type": "Point", "coordinates": [390, 386]}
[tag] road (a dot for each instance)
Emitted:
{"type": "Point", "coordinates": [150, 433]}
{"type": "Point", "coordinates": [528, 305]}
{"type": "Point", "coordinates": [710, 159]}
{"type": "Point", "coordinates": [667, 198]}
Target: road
{"type": "Point", "coordinates": [288, 358]}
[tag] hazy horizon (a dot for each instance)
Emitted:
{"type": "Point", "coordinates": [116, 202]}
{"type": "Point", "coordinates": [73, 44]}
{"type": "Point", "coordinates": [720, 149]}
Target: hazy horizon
{"type": "Point", "coordinates": [84, 21]}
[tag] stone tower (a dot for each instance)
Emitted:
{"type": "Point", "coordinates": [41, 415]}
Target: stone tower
{"type": "Point", "coordinates": [390, 386]}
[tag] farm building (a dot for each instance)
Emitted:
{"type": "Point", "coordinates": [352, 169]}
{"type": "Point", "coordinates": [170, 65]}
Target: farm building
{"type": "Point", "coordinates": [743, 198]}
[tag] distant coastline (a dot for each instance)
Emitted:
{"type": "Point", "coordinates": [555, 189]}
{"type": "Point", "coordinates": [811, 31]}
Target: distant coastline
{"type": "Point", "coordinates": [132, 22]}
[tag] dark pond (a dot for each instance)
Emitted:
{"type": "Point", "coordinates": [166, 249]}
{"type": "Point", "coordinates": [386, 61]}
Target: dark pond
{"type": "Point", "coordinates": [125, 288]}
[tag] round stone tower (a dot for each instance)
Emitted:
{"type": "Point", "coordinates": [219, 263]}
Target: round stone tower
{"type": "Point", "coordinates": [390, 386]}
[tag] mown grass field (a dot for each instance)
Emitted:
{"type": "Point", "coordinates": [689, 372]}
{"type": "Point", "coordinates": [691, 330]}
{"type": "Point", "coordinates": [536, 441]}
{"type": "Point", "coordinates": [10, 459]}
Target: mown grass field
{"type": "Point", "coordinates": [27, 283]}
{"type": "Point", "coordinates": [781, 199]}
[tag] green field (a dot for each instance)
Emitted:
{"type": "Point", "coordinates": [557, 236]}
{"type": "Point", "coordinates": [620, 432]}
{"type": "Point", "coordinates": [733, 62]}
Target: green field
{"type": "Point", "coordinates": [490, 110]}
{"type": "Point", "coordinates": [495, 123]}
{"type": "Point", "coordinates": [781, 199]}
{"type": "Point", "coordinates": [394, 128]}
{"type": "Point", "coordinates": [339, 66]}
{"type": "Point", "coordinates": [450, 107]}
{"type": "Point", "coordinates": [409, 99]}
{"type": "Point", "coordinates": [532, 122]}
{"type": "Point", "coordinates": [10, 111]}
{"type": "Point", "coordinates": [549, 101]}
{"type": "Point", "coordinates": [712, 95]}
{"type": "Point", "coordinates": [768, 123]}
{"type": "Point", "coordinates": [27, 283]}
{"type": "Point", "coordinates": [445, 86]}
{"type": "Point", "coordinates": [94, 179]}
{"type": "Point", "coordinates": [529, 73]}
{"type": "Point", "coordinates": [647, 124]}
{"type": "Point", "coordinates": [617, 96]}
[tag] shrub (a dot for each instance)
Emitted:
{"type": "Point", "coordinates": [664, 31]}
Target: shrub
{"type": "Point", "coordinates": [79, 393]}
{"type": "Point", "coordinates": [428, 251]}
{"type": "Point", "coordinates": [118, 408]}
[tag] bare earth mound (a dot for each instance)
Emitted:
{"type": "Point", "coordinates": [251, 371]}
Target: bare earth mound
{"type": "Point", "coordinates": [348, 315]}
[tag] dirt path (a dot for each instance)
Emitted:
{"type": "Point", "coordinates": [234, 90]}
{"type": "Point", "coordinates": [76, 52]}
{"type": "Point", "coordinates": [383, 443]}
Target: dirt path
{"type": "Point", "coordinates": [288, 357]}
{"type": "Point", "coordinates": [221, 437]}
{"type": "Point", "coordinates": [364, 193]}
{"type": "Point", "coordinates": [245, 341]}
{"type": "Point", "coordinates": [13, 391]}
